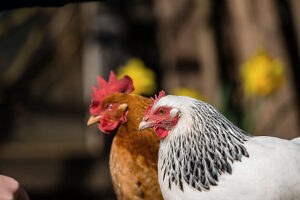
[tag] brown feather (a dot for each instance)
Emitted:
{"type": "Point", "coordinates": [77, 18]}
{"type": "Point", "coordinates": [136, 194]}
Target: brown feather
{"type": "Point", "coordinates": [134, 153]}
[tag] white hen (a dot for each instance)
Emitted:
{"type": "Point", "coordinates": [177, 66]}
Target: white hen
{"type": "Point", "coordinates": [204, 156]}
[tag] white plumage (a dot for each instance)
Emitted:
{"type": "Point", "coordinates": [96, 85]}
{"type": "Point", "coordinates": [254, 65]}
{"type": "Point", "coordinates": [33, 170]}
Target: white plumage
{"type": "Point", "coordinates": [206, 157]}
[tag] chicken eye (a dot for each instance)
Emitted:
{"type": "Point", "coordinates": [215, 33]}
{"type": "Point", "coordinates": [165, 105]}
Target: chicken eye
{"type": "Point", "coordinates": [110, 106]}
{"type": "Point", "coordinates": [162, 111]}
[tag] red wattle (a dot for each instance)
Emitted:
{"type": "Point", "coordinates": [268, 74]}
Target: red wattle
{"type": "Point", "coordinates": [161, 132]}
{"type": "Point", "coordinates": [107, 127]}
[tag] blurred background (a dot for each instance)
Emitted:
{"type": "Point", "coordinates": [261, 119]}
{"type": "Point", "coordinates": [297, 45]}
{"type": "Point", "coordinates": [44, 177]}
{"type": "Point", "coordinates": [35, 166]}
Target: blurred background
{"type": "Point", "coordinates": [240, 56]}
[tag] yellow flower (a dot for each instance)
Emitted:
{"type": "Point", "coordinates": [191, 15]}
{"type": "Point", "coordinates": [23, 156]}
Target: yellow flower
{"type": "Point", "coordinates": [143, 78]}
{"type": "Point", "coordinates": [262, 75]}
{"type": "Point", "coordinates": [187, 92]}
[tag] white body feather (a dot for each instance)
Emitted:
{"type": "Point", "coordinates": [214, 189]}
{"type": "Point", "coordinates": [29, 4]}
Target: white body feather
{"type": "Point", "coordinates": [271, 172]}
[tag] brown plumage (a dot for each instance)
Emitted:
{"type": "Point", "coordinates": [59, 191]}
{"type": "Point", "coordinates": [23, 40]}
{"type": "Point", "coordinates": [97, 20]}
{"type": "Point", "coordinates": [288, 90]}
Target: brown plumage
{"type": "Point", "coordinates": [134, 153]}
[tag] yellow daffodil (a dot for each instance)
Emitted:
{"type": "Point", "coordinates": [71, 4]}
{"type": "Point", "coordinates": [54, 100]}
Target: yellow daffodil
{"type": "Point", "coordinates": [261, 75]}
{"type": "Point", "coordinates": [143, 77]}
{"type": "Point", "coordinates": [187, 92]}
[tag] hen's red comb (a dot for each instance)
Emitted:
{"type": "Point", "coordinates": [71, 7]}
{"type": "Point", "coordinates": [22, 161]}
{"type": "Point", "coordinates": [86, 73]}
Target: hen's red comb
{"type": "Point", "coordinates": [124, 85]}
{"type": "Point", "coordinates": [160, 95]}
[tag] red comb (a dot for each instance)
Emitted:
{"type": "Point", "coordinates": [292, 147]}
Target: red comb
{"type": "Point", "coordinates": [160, 95]}
{"type": "Point", "coordinates": [124, 85]}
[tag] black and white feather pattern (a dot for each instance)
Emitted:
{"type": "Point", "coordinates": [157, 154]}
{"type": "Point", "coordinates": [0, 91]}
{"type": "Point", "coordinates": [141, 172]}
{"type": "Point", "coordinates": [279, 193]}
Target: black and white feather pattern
{"type": "Point", "coordinates": [205, 156]}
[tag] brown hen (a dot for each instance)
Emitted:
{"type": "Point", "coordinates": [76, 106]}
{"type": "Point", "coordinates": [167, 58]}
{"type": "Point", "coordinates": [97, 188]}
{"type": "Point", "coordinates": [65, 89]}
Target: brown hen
{"type": "Point", "coordinates": [134, 154]}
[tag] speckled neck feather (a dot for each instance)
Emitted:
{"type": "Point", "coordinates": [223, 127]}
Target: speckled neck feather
{"type": "Point", "coordinates": [201, 154]}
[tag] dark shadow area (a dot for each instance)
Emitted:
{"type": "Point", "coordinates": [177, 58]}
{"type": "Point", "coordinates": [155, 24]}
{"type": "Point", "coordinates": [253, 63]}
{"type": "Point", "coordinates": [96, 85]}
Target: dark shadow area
{"type": "Point", "coordinates": [289, 34]}
{"type": "Point", "coordinates": [226, 60]}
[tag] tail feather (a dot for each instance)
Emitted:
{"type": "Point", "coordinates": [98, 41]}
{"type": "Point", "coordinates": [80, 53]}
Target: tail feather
{"type": "Point", "coordinates": [297, 140]}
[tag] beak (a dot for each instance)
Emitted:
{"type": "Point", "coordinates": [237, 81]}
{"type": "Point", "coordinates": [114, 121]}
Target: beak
{"type": "Point", "coordinates": [144, 125]}
{"type": "Point", "coordinates": [93, 119]}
